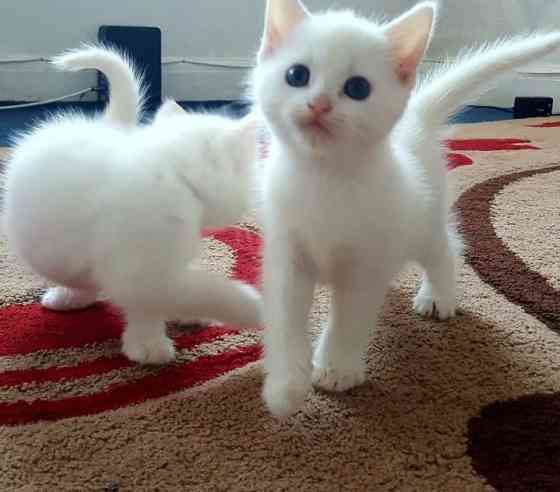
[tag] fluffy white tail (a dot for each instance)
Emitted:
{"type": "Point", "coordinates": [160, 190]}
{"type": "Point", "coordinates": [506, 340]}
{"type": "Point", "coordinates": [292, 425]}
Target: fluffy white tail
{"type": "Point", "coordinates": [457, 84]}
{"type": "Point", "coordinates": [127, 93]}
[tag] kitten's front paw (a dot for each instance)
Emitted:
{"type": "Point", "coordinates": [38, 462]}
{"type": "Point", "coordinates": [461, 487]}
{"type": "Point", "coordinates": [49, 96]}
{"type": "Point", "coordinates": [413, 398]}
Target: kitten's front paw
{"type": "Point", "coordinates": [339, 378]}
{"type": "Point", "coordinates": [284, 397]}
{"type": "Point", "coordinates": [428, 306]}
{"type": "Point", "coordinates": [155, 351]}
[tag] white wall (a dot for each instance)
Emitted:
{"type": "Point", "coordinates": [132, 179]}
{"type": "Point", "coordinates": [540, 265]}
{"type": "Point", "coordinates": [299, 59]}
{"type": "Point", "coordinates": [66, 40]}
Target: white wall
{"type": "Point", "coordinates": [220, 28]}
{"type": "Point", "coordinates": [227, 30]}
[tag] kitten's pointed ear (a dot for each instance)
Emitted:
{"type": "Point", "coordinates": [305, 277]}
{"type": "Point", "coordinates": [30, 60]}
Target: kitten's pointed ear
{"type": "Point", "coordinates": [281, 17]}
{"type": "Point", "coordinates": [410, 36]}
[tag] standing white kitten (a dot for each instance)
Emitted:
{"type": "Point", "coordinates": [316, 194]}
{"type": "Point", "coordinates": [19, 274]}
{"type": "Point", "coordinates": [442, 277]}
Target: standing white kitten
{"type": "Point", "coordinates": [355, 185]}
{"type": "Point", "coordinates": [104, 204]}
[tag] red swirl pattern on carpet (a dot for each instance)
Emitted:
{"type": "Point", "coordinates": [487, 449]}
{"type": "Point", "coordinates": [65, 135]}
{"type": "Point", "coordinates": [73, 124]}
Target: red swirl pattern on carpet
{"type": "Point", "coordinates": [27, 329]}
{"type": "Point", "coordinates": [455, 160]}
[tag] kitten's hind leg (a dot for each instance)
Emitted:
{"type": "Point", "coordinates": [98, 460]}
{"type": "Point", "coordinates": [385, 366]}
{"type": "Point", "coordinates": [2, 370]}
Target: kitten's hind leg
{"type": "Point", "coordinates": [150, 297]}
{"type": "Point", "coordinates": [208, 296]}
{"type": "Point", "coordinates": [67, 299]}
{"type": "Point", "coordinates": [437, 295]}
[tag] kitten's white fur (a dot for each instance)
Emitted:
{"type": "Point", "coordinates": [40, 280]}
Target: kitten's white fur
{"type": "Point", "coordinates": [104, 204]}
{"type": "Point", "coordinates": [349, 205]}
{"type": "Point", "coordinates": [127, 90]}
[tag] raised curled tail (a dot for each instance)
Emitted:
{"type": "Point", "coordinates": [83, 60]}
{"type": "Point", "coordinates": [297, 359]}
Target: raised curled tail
{"type": "Point", "coordinates": [444, 91]}
{"type": "Point", "coordinates": [127, 92]}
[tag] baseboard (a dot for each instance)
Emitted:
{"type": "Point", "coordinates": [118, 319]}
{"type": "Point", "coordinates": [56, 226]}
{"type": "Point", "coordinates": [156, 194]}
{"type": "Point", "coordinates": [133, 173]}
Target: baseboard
{"type": "Point", "coordinates": [180, 81]}
{"type": "Point", "coordinates": [34, 82]}
{"type": "Point", "coordinates": [512, 86]}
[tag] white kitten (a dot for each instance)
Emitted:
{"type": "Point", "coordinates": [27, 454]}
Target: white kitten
{"type": "Point", "coordinates": [355, 185]}
{"type": "Point", "coordinates": [104, 204]}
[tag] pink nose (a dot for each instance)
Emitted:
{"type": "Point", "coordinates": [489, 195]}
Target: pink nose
{"type": "Point", "coordinates": [320, 105]}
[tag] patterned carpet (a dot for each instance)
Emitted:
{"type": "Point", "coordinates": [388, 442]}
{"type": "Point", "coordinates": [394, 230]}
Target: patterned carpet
{"type": "Point", "coordinates": [469, 404]}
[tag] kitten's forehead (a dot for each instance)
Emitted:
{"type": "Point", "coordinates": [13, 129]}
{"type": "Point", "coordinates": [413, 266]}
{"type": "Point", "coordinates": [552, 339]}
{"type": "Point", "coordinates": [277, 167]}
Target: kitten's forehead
{"type": "Point", "coordinates": [336, 38]}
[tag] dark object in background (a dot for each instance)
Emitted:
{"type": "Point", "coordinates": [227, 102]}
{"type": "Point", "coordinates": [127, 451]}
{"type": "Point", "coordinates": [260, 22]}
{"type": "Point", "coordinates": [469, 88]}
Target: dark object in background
{"type": "Point", "coordinates": [532, 107]}
{"type": "Point", "coordinates": [112, 486]}
{"type": "Point", "coordinates": [143, 45]}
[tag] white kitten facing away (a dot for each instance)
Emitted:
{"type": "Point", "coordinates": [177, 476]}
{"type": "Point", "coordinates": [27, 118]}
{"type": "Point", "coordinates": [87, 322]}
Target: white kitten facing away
{"type": "Point", "coordinates": [105, 204]}
{"type": "Point", "coordinates": [355, 185]}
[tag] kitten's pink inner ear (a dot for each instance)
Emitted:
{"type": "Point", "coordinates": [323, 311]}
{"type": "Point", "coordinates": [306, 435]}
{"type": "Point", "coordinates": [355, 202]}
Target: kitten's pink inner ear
{"type": "Point", "coordinates": [281, 17]}
{"type": "Point", "coordinates": [409, 36]}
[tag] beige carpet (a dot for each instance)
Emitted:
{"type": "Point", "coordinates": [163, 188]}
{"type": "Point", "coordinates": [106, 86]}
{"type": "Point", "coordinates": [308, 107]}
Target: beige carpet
{"type": "Point", "coordinates": [467, 405]}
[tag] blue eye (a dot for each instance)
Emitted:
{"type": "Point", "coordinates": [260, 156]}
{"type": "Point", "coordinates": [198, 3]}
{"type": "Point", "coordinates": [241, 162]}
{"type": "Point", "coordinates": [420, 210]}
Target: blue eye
{"type": "Point", "coordinates": [357, 88]}
{"type": "Point", "coordinates": [298, 76]}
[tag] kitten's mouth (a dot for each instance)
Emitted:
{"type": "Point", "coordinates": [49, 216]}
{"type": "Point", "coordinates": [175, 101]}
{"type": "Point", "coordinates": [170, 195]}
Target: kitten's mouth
{"type": "Point", "coordinates": [317, 127]}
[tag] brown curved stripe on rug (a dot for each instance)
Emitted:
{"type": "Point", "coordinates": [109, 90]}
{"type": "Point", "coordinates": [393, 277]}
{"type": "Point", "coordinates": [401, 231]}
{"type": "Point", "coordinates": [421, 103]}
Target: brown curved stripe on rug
{"type": "Point", "coordinates": [516, 444]}
{"type": "Point", "coordinates": [495, 262]}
